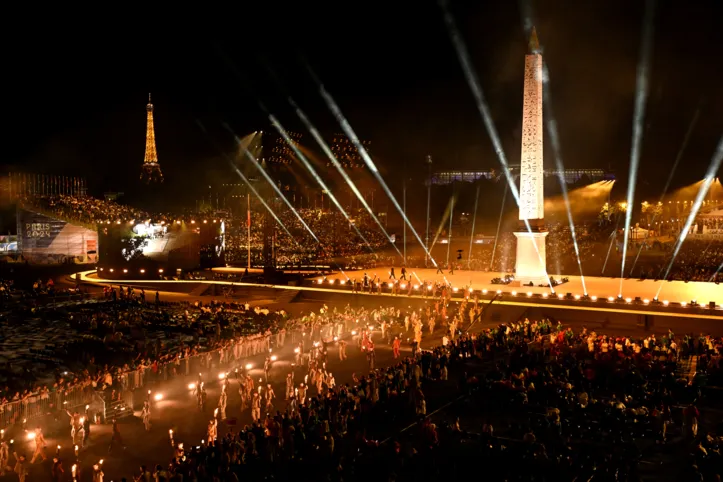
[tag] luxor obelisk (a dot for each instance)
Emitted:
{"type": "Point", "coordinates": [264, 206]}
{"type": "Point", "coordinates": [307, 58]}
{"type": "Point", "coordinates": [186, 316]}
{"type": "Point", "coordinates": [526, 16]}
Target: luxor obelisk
{"type": "Point", "coordinates": [531, 257]}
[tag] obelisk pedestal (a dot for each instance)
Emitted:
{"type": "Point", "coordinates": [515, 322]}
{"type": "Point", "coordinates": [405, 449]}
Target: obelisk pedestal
{"type": "Point", "coordinates": [530, 250]}
{"type": "Point", "coordinates": [530, 265]}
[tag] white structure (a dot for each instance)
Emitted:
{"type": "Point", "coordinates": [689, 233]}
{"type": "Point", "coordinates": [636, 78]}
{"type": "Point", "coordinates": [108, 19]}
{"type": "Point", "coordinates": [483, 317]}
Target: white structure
{"type": "Point", "coordinates": [531, 258]}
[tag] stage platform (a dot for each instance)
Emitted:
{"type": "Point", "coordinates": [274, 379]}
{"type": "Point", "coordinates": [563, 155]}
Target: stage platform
{"type": "Point", "coordinates": [602, 288]}
{"type": "Point", "coordinates": [330, 289]}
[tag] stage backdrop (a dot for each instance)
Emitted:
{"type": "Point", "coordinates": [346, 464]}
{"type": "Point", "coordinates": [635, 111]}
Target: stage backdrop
{"type": "Point", "coordinates": [44, 239]}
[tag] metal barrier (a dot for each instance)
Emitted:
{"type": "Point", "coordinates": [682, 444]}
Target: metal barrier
{"type": "Point", "coordinates": [22, 411]}
{"type": "Point", "coordinates": [219, 359]}
{"type": "Point", "coordinates": [99, 405]}
{"type": "Point", "coordinates": [148, 375]}
{"type": "Point", "coordinates": [38, 405]}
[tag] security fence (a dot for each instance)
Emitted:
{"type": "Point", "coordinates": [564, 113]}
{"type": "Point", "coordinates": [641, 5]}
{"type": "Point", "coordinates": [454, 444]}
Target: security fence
{"type": "Point", "coordinates": [210, 363]}
{"type": "Point", "coordinates": [44, 403]}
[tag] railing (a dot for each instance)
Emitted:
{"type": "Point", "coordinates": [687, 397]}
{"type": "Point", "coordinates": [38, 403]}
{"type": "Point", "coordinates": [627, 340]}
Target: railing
{"type": "Point", "coordinates": [38, 405]}
{"type": "Point", "coordinates": [100, 405]}
{"type": "Point", "coordinates": [221, 358]}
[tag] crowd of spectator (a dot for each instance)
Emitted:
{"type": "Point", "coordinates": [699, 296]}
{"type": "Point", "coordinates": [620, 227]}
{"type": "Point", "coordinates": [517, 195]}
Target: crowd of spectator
{"type": "Point", "coordinates": [551, 405]}
{"type": "Point", "coordinates": [361, 243]}
{"type": "Point", "coordinates": [541, 401]}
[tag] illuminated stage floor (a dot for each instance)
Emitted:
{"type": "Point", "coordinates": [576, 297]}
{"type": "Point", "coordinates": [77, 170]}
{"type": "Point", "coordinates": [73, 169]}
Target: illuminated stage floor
{"type": "Point", "coordinates": [673, 291]}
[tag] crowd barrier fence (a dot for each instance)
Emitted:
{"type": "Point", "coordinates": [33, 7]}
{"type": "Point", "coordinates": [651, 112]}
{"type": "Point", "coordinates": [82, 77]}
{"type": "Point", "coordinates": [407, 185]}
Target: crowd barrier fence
{"type": "Point", "coordinates": [210, 363]}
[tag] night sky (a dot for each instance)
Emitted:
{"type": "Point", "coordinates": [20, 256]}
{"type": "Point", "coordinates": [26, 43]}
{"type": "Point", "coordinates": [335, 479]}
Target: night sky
{"type": "Point", "coordinates": [78, 89]}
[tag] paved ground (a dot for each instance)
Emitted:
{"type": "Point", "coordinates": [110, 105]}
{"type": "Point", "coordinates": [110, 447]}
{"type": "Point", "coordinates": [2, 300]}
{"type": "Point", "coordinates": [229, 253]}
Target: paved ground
{"type": "Point", "coordinates": [674, 291]}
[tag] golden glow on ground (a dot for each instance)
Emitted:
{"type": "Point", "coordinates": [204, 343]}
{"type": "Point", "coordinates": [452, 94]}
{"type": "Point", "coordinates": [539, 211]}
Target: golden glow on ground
{"type": "Point", "coordinates": [600, 303]}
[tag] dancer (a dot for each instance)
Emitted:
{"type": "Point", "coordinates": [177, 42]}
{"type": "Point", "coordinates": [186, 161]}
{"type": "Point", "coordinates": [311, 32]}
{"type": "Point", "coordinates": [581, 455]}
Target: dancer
{"type": "Point", "coordinates": [39, 446]}
{"type": "Point", "coordinates": [222, 403]}
{"type": "Point", "coordinates": [146, 416]}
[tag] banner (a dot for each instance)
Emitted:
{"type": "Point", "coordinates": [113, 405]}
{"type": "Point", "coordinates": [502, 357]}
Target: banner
{"type": "Point", "coordinates": [42, 236]}
{"type": "Point", "coordinates": [39, 231]}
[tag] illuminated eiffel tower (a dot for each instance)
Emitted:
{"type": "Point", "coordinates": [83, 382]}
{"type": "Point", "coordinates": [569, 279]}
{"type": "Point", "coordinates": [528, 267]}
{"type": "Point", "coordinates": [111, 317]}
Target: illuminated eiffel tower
{"type": "Point", "coordinates": [151, 171]}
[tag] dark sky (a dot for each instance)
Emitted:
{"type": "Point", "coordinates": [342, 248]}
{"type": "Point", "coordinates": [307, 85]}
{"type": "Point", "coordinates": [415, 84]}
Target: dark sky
{"type": "Point", "coordinates": [77, 88]}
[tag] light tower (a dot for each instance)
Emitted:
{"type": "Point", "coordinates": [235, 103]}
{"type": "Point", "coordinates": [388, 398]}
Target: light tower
{"type": "Point", "coordinates": [151, 170]}
{"type": "Point", "coordinates": [531, 258]}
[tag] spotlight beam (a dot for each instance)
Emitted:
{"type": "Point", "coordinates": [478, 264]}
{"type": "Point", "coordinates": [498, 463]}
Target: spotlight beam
{"type": "Point", "coordinates": [613, 239]}
{"type": "Point", "coordinates": [499, 224]}
{"type": "Point", "coordinates": [246, 84]}
{"type": "Point", "coordinates": [716, 273]}
{"type": "Point", "coordinates": [641, 97]}
{"type": "Point", "coordinates": [670, 179]}
{"type": "Point", "coordinates": [346, 127]}
{"type": "Point", "coordinates": [471, 235]}
{"type": "Point", "coordinates": [316, 176]}
{"type": "Point", "coordinates": [483, 108]}
{"type": "Point", "coordinates": [707, 183]}
{"type": "Point", "coordinates": [278, 192]}
{"type": "Point", "coordinates": [300, 155]}
{"type": "Point", "coordinates": [248, 183]}
{"type": "Point", "coordinates": [442, 222]}
{"type": "Point", "coordinates": [258, 166]}
{"type": "Point", "coordinates": [551, 125]}
{"type": "Point", "coordinates": [330, 155]}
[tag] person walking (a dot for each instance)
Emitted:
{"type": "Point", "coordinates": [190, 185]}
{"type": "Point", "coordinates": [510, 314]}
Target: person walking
{"type": "Point", "coordinates": [116, 437]}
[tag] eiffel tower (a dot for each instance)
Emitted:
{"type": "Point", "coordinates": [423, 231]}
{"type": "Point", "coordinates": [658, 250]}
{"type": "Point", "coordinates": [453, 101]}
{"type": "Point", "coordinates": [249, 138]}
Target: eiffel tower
{"type": "Point", "coordinates": [151, 170]}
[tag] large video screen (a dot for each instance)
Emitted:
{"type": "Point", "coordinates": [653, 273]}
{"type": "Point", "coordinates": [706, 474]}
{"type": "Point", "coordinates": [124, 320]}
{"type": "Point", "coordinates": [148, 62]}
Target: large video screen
{"type": "Point", "coordinates": [176, 245]}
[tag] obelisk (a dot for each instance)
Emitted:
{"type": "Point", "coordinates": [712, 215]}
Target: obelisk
{"type": "Point", "coordinates": [530, 265]}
